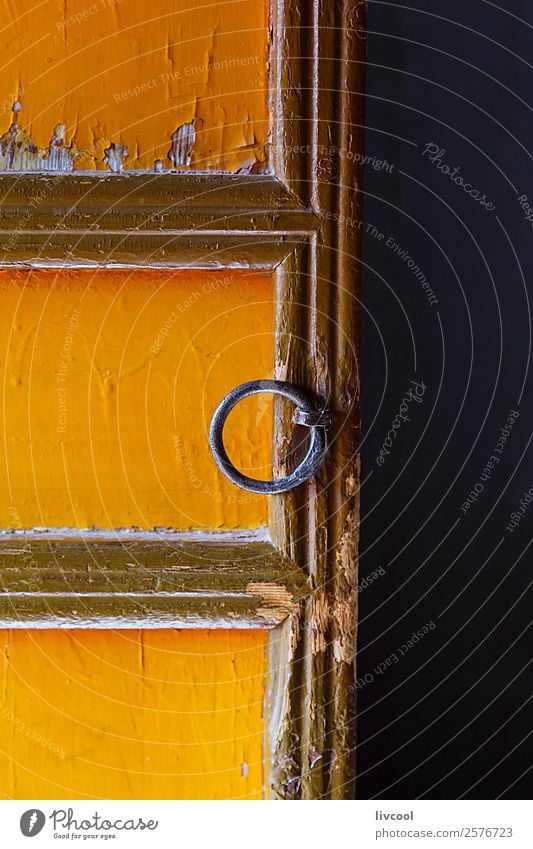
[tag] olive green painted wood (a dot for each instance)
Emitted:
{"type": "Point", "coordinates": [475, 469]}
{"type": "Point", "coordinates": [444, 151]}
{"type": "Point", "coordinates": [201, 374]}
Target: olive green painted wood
{"type": "Point", "coordinates": [205, 221]}
{"type": "Point", "coordinates": [93, 582]}
{"type": "Point", "coordinates": [319, 121]}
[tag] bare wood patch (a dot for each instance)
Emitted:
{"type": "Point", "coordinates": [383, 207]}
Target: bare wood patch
{"type": "Point", "coordinates": [114, 157]}
{"type": "Point", "coordinates": [182, 145]}
{"type": "Point", "coordinates": [275, 599]}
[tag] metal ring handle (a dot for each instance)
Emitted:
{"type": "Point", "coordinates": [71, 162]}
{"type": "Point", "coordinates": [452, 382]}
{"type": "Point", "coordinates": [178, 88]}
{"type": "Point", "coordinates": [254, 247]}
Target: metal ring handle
{"type": "Point", "coordinates": [306, 413]}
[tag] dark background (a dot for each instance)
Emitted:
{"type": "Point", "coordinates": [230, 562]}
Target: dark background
{"type": "Point", "coordinates": [451, 717]}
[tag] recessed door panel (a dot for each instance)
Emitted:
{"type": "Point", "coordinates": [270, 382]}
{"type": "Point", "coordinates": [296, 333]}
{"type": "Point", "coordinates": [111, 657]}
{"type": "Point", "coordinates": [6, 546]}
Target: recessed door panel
{"type": "Point", "coordinates": [123, 72]}
{"type": "Point", "coordinates": [109, 381]}
{"type": "Point", "coordinates": [131, 714]}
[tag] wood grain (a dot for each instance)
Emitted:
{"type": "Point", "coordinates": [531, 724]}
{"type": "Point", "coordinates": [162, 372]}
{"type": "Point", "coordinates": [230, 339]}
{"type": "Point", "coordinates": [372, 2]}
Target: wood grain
{"type": "Point", "coordinates": [319, 132]}
{"type": "Point", "coordinates": [87, 582]}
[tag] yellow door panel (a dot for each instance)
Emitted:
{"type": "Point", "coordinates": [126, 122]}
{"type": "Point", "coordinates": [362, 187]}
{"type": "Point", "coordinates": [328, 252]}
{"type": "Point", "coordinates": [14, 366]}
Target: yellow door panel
{"type": "Point", "coordinates": [131, 73]}
{"type": "Point", "coordinates": [132, 714]}
{"type": "Point", "coordinates": [110, 379]}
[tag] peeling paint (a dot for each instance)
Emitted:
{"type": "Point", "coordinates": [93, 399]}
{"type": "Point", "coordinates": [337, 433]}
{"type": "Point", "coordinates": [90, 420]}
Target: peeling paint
{"type": "Point", "coordinates": [182, 145]}
{"type": "Point", "coordinates": [345, 604]}
{"type": "Point", "coordinates": [320, 622]}
{"type": "Point", "coordinates": [114, 157]}
{"type": "Point", "coordinates": [283, 640]}
{"type": "Point", "coordinates": [134, 71]}
{"type": "Point", "coordinates": [59, 157]}
{"type": "Point", "coordinates": [18, 152]}
{"type": "Point", "coordinates": [314, 757]}
{"type": "Point", "coordinates": [276, 600]}
{"type": "Point", "coordinates": [285, 776]}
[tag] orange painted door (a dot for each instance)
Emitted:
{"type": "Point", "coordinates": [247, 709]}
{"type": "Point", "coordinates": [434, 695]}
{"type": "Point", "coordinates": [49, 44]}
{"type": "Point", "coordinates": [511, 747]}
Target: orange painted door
{"type": "Point", "coordinates": [110, 377]}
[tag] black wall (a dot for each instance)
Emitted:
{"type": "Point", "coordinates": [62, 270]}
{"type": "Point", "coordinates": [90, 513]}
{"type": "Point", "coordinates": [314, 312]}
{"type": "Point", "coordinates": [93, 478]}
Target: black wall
{"type": "Point", "coordinates": [447, 715]}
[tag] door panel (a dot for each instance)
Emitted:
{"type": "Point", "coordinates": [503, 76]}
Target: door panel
{"type": "Point", "coordinates": [107, 399]}
{"type": "Point", "coordinates": [132, 714]}
{"type": "Point", "coordinates": [122, 71]}
{"type": "Point", "coordinates": [110, 380]}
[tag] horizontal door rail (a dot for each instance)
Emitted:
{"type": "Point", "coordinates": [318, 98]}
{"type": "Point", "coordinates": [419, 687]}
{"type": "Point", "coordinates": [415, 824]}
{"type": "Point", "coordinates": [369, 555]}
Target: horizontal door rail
{"type": "Point", "coordinates": [146, 581]}
{"type": "Point", "coordinates": [205, 221]}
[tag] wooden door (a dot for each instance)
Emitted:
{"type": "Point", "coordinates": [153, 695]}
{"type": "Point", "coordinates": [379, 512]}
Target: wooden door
{"type": "Point", "coordinates": [180, 211]}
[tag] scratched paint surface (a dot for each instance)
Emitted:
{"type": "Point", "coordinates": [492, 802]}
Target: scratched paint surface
{"type": "Point", "coordinates": [109, 381]}
{"type": "Point", "coordinates": [131, 72]}
{"type": "Point", "coordinates": [131, 715]}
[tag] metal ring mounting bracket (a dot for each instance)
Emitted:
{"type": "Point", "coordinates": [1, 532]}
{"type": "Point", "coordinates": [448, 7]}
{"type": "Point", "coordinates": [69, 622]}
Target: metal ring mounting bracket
{"type": "Point", "coordinates": [306, 414]}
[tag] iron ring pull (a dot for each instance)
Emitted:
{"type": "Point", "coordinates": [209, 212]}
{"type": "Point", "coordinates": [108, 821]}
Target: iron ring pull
{"type": "Point", "coordinates": [306, 414]}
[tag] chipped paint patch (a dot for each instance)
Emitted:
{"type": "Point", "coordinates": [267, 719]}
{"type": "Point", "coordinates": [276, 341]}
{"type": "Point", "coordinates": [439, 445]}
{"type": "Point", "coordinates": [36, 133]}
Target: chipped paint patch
{"type": "Point", "coordinates": [314, 757]}
{"type": "Point", "coordinates": [320, 622]}
{"type": "Point", "coordinates": [18, 151]}
{"type": "Point", "coordinates": [275, 600]}
{"type": "Point", "coordinates": [182, 145]}
{"type": "Point", "coordinates": [345, 606]}
{"type": "Point", "coordinates": [285, 777]}
{"type": "Point", "coordinates": [114, 157]}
